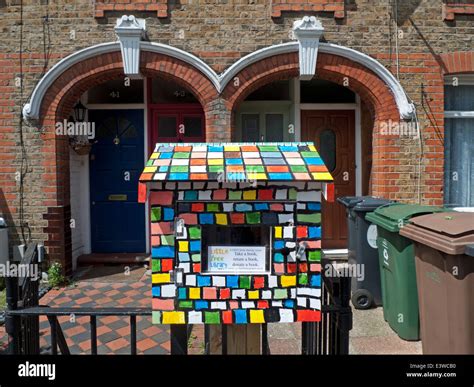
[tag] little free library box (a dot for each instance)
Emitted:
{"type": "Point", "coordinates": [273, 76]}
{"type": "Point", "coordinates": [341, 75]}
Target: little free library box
{"type": "Point", "coordinates": [235, 232]}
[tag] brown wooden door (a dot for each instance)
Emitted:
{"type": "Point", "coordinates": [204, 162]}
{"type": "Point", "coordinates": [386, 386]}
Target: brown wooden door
{"type": "Point", "coordinates": [333, 133]}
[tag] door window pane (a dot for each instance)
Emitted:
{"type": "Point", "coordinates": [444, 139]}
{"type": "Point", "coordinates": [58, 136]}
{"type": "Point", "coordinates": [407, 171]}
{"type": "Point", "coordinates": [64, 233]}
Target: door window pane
{"type": "Point", "coordinates": [192, 126]}
{"type": "Point", "coordinates": [275, 91]}
{"type": "Point", "coordinates": [327, 148]}
{"type": "Point", "coordinates": [166, 126]}
{"type": "Point", "coordinates": [116, 91]}
{"type": "Point", "coordinates": [460, 98]}
{"type": "Point", "coordinates": [274, 127]}
{"type": "Point", "coordinates": [320, 91]}
{"type": "Point", "coordinates": [126, 129]}
{"type": "Point", "coordinates": [250, 127]}
{"type": "Point", "coordinates": [163, 91]}
{"type": "Point", "coordinates": [107, 128]}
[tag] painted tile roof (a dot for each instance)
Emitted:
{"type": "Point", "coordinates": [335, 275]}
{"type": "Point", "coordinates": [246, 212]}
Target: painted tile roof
{"type": "Point", "coordinates": [295, 161]}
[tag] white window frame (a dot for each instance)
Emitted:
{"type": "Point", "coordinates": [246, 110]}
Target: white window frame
{"type": "Point", "coordinates": [462, 80]}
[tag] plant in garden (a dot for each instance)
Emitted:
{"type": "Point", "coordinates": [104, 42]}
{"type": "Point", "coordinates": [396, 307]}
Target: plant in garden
{"type": "Point", "coordinates": [3, 299]}
{"type": "Point", "coordinates": [55, 276]}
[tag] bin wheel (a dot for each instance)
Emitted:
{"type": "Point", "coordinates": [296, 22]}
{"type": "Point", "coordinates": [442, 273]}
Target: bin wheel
{"type": "Point", "coordinates": [362, 299]}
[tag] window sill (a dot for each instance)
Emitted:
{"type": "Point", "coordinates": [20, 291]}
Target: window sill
{"type": "Point", "coordinates": [334, 6]}
{"type": "Point", "coordinates": [451, 10]}
{"type": "Point", "coordinates": [160, 7]}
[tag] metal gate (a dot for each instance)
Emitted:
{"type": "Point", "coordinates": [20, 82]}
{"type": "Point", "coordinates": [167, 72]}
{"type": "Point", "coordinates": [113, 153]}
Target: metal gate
{"type": "Point", "coordinates": [331, 335]}
{"type": "Point", "coordinates": [22, 293]}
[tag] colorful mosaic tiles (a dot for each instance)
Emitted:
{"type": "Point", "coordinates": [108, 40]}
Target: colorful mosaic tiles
{"type": "Point", "coordinates": [235, 162]}
{"type": "Point", "coordinates": [288, 291]}
{"type": "Point", "coordinates": [235, 232]}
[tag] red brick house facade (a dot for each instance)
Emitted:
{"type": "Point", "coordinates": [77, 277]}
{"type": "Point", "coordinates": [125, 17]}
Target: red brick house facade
{"type": "Point", "coordinates": [222, 52]}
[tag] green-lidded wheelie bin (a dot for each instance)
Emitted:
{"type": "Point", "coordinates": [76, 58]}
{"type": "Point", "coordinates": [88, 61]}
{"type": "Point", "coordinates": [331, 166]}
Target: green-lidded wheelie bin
{"type": "Point", "coordinates": [397, 267]}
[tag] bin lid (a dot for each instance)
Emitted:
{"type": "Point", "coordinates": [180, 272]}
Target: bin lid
{"type": "Point", "coordinates": [449, 232]}
{"type": "Point", "coordinates": [394, 215]}
{"type": "Point", "coordinates": [351, 201]}
{"type": "Point", "coordinates": [469, 250]}
{"type": "Point", "coordinates": [370, 203]}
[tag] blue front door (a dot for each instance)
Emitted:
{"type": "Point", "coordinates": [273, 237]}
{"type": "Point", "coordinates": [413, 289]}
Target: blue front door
{"type": "Point", "coordinates": [116, 161]}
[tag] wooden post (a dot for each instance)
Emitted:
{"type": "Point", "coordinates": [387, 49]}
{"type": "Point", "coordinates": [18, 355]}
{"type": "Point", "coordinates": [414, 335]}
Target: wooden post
{"type": "Point", "coordinates": [242, 339]}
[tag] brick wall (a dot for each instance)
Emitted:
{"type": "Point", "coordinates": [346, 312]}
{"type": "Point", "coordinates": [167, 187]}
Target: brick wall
{"type": "Point", "coordinates": [219, 32]}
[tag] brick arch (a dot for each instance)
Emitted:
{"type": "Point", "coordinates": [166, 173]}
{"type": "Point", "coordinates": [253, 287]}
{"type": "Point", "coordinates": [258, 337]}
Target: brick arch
{"type": "Point", "coordinates": [373, 91]}
{"type": "Point", "coordinates": [362, 81]}
{"type": "Point", "coordinates": [457, 62]}
{"type": "Point", "coordinates": [57, 105]}
{"type": "Point", "coordinates": [67, 88]}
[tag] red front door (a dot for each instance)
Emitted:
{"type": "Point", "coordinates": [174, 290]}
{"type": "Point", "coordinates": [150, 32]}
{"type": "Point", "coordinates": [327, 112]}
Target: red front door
{"type": "Point", "coordinates": [177, 123]}
{"type": "Point", "coordinates": [333, 133]}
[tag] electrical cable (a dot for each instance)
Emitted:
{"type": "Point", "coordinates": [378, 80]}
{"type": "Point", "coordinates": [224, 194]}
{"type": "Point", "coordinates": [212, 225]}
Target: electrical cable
{"type": "Point", "coordinates": [25, 232]}
{"type": "Point", "coordinates": [397, 50]}
{"type": "Point", "coordinates": [394, 16]}
{"type": "Point", "coordinates": [24, 163]}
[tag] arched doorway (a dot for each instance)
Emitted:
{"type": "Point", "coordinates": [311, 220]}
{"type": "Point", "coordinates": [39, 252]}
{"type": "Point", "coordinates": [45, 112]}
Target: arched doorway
{"type": "Point", "coordinates": [320, 111]}
{"type": "Point", "coordinates": [129, 117]}
{"type": "Point", "coordinates": [339, 110]}
{"type": "Point", "coordinates": [53, 101]}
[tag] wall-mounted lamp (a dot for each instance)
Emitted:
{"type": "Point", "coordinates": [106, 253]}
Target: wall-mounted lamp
{"type": "Point", "coordinates": [79, 112]}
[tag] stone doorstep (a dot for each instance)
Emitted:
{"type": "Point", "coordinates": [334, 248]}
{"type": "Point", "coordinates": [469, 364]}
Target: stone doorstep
{"type": "Point", "coordinates": [123, 258]}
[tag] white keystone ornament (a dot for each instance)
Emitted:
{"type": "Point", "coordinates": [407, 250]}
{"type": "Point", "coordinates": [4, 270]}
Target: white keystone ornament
{"type": "Point", "coordinates": [308, 31]}
{"type": "Point", "coordinates": [130, 31]}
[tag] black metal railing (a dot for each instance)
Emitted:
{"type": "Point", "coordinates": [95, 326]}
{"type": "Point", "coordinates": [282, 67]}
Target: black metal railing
{"type": "Point", "coordinates": [57, 337]}
{"type": "Point", "coordinates": [22, 293]}
{"type": "Point", "coordinates": [330, 336]}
